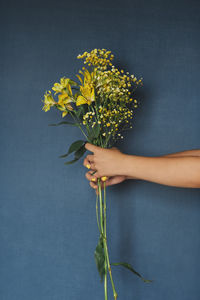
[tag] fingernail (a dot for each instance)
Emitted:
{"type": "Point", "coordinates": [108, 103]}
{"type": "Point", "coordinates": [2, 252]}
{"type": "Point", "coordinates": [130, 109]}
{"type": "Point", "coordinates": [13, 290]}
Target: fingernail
{"type": "Point", "coordinates": [88, 166]}
{"type": "Point", "coordinates": [104, 178]}
{"type": "Point", "coordinates": [93, 179]}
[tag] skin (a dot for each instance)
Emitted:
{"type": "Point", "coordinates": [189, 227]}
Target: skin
{"type": "Point", "coordinates": [180, 169]}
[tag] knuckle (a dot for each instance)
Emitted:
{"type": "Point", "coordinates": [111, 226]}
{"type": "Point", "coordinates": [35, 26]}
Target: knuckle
{"type": "Point", "coordinates": [93, 166]}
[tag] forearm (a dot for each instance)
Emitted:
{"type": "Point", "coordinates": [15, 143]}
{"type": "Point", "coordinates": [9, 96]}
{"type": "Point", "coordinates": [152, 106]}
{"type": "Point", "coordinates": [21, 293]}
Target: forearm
{"type": "Point", "coordinates": [195, 152]}
{"type": "Point", "coordinates": [180, 171]}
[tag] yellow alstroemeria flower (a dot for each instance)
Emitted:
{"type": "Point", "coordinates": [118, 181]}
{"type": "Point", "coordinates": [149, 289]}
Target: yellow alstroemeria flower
{"type": "Point", "coordinates": [87, 77]}
{"type": "Point", "coordinates": [64, 84]}
{"type": "Point", "coordinates": [48, 101]}
{"type": "Point", "coordinates": [86, 89]}
{"type": "Point", "coordinates": [64, 101]}
{"type": "Point", "coordinates": [88, 95]}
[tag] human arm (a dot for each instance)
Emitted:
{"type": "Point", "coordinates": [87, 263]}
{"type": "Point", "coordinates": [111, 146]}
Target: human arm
{"type": "Point", "coordinates": [181, 169]}
{"type": "Point", "coordinates": [194, 152]}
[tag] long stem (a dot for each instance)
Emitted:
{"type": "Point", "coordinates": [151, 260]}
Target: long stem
{"type": "Point", "coordinates": [97, 216]}
{"type": "Point", "coordinates": [102, 225]}
{"type": "Point", "coordinates": [107, 261]}
{"type": "Point", "coordinates": [105, 235]}
{"type": "Point", "coordinates": [109, 269]}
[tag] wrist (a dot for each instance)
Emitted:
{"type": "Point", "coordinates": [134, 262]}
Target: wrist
{"type": "Point", "coordinates": [125, 167]}
{"type": "Point", "coordinates": [132, 166]}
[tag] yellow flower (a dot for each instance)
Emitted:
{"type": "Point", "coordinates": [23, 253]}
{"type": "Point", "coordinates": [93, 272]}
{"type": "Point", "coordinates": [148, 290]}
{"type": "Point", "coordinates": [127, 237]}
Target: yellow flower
{"type": "Point", "coordinates": [87, 88]}
{"type": "Point", "coordinates": [88, 95]}
{"type": "Point", "coordinates": [63, 85]}
{"type": "Point", "coordinates": [48, 101]}
{"type": "Point", "coordinates": [64, 101]}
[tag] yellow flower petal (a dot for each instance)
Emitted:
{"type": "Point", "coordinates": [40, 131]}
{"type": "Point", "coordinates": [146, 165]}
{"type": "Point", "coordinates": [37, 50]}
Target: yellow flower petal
{"type": "Point", "coordinates": [64, 114]}
{"type": "Point", "coordinates": [86, 92]}
{"type": "Point", "coordinates": [64, 99]}
{"type": "Point", "coordinates": [93, 95]}
{"type": "Point", "coordinates": [69, 89]}
{"type": "Point", "coordinates": [63, 96]}
{"type": "Point", "coordinates": [79, 77]}
{"type": "Point", "coordinates": [48, 101]}
{"type": "Point", "coordinates": [80, 100]}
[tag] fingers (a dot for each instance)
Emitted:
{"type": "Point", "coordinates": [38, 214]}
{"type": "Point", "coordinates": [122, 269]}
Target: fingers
{"type": "Point", "coordinates": [115, 180]}
{"type": "Point", "coordinates": [109, 180]}
{"type": "Point", "coordinates": [91, 147]}
{"type": "Point", "coordinates": [93, 180]}
{"type": "Point", "coordinates": [93, 185]}
{"type": "Point", "coordinates": [89, 162]}
{"type": "Point", "coordinates": [90, 177]}
{"type": "Point", "coordinates": [90, 158]}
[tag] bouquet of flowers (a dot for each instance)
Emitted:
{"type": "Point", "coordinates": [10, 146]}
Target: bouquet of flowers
{"type": "Point", "coordinates": [102, 105]}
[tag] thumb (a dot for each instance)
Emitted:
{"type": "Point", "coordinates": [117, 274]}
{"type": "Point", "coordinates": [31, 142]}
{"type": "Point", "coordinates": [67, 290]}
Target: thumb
{"type": "Point", "coordinates": [91, 147]}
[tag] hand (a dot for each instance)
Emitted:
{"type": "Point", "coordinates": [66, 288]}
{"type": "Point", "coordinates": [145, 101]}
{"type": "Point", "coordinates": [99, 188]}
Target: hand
{"type": "Point", "coordinates": [106, 162]}
{"type": "Point", "coordinates": [109, 181]}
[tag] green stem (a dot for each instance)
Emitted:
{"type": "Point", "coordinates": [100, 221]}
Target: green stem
{"type": "Point", "coordinates": [100, 204]}
{"type": "Point", "coordinates": [103, 228]}
{"type": "Point", "coordinates": [105, 235]}
{"type": "Point", "coordinates": [98, 119]}
{"type": "Point", "coordinates": [105, 283]}
{"type": "Point", "coordinates": [102, 225]}
{"type": "Point", "coordinates": [97, 216]}
{"type": "Point", "coordinates": [79, 125]}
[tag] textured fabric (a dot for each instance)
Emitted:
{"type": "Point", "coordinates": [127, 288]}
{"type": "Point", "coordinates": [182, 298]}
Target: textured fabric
{"type": "Point", "coordinates": [48, 229]}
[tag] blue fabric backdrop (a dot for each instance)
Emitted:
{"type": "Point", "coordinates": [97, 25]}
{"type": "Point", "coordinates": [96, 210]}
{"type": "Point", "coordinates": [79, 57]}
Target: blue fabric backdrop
{"type": "Point", "coordinates": [48, 229]}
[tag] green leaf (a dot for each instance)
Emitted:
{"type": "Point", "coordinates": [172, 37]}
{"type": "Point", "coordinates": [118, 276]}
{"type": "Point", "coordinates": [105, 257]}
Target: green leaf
{"type": "Point", "coordinates": [74, 147]}
{"type": "Point", "coordinates": [94, 132]}
{"type": "Point", "coordinates": [129, 267]}
{"type": "Point", "coordinates": [100, 258]}
{"type": "Point", "coordinates": [79, 153]}
{"type": "Point", "coordinates": [80, 112]}
{"type": "Point", "coordinates": [64, 123]}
